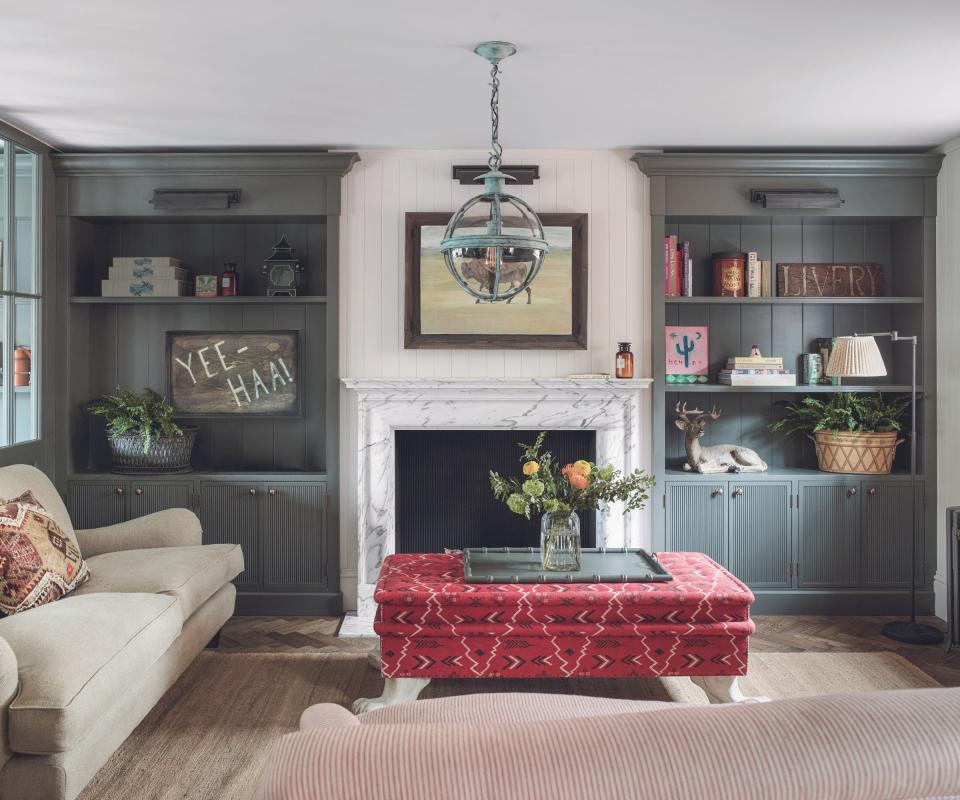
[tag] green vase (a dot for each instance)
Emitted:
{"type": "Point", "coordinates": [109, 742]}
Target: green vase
{"type": "Point", "coordinates": [560, 542]}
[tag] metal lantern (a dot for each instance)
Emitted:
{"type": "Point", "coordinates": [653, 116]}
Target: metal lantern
{"type": "Point", "coordinates": [283, 270]}
{"type": "Point", "coordinates": [495, 240]}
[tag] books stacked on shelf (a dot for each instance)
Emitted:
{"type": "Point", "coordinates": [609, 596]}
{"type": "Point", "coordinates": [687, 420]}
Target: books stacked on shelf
{"type": "Point", "coordinates": [756, 371]}
{"type": "Point", "coordinates": [145, 276]}
{"type": "Point", "coordinates": [677, 268]}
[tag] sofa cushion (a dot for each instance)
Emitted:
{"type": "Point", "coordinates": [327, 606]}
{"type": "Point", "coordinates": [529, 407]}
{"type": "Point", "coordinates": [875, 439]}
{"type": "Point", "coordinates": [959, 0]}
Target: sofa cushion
{"type": "Point", "coordinates": [76, 656]}
{"type": "Point", "coordinates": [191, 574]}
{"type": "Point", "coordinates": [39, 562]}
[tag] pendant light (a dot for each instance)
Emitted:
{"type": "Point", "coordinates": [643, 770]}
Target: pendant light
{"type": "Point", "coordinates": [494, 245]}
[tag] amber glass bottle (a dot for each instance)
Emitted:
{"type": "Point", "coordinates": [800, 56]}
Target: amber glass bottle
{"type": "Point", "coordinates": [229, 285]}
{"type": "Point", "coordinates": [624, 361]}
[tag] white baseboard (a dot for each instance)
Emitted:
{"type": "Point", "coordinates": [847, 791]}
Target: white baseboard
{"type": "Point", "coordinates": [355, 627]}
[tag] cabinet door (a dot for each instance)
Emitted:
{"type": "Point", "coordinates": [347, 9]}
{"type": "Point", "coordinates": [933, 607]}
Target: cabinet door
{"type": "Point", "coordinates": [229, 514]}
{"type": "Point", "coordinates": [293, 537]}
{"type": "Point", "coordinates": [146, 498]}
{"type": "Point", "coordinates": [696, 519]}
{"type": "Point", "coordinates": [887, 534]}
{"type": "Point", "coordinates": [94, 504]}
{"type": "Point", "coordinates": [829, 542]}
{"type": "Point", "coordinates": [759, 533]}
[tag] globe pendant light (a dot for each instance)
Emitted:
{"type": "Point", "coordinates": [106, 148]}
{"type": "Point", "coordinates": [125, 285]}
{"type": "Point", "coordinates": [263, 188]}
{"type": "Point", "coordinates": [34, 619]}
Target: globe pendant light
{"type": "Point", "coordinates": [494, 245]}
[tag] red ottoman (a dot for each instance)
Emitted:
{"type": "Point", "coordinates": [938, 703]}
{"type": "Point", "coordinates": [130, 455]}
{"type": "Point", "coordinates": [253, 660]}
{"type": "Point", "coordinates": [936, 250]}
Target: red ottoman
{"type": "Point", "coordinates": [434, 625]}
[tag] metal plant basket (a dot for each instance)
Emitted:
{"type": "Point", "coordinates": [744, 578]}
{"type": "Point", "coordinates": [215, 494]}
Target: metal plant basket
{"type": "Point", "coordinates": [167, 455]}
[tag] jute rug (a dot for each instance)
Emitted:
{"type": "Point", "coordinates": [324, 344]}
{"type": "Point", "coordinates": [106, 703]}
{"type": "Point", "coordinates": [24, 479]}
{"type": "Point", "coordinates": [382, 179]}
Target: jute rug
{"type": "Point", "coordinates": [209, 736]}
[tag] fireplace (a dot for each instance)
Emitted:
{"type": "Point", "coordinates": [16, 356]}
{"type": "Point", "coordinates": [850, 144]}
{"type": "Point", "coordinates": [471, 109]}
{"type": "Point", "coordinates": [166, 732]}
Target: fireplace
{"type": "Point", "coordinates": [443, 496]}
{"type": "Point", "coordinates": [608, 410]}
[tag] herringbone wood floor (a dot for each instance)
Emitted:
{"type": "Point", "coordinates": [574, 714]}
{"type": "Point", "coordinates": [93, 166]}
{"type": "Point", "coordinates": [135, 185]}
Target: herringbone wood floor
{"type": "Point", "coordinates": [774, 634]}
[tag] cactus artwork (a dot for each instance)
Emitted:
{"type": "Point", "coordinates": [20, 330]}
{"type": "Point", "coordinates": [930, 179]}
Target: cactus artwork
{"type": "Point", "coordinates": [687, 350]}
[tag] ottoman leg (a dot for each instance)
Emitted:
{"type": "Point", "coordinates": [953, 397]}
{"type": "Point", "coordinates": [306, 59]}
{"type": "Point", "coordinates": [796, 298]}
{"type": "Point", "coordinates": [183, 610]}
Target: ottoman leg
{"type": "Point", "coordinates": [724, 689]}
{"type": "Point", "coordinates": [395, 690]}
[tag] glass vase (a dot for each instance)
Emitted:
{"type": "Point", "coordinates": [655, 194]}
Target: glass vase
{"type": "Point", "coordinates": [560, 542]}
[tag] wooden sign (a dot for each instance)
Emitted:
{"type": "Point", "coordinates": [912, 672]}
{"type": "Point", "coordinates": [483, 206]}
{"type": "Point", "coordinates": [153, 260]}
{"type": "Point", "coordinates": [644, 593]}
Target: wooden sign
{"type": "Point", "coordinates": [234, 373]}
{"type": "Point", "coordinates": [830, 280]}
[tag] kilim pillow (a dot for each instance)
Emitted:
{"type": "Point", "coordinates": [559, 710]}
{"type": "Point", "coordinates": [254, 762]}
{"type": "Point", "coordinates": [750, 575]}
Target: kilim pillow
{"type": "Point", "coordinates": [39, 563]}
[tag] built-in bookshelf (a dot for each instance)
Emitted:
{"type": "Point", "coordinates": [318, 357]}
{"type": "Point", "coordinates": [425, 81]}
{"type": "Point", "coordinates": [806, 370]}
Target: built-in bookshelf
{"type": "Point", "coordinates": [888, 217]}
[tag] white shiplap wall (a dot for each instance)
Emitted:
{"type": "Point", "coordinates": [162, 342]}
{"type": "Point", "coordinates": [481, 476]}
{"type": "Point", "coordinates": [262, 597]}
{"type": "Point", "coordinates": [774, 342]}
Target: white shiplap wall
{"type": "Point", "coordinates": [386, 184]}
{"type": "Point", "coordinates": [948, 361]}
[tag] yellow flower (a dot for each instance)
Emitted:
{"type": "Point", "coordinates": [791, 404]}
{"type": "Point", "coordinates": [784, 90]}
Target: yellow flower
{"type": "Point", "coordinates": [582, 467]}
{"type": "Point", "coordinates": [531, 468]}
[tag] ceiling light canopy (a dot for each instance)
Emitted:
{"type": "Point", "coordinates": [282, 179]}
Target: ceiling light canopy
{"type": "Point", "coordinates": [494, 245]}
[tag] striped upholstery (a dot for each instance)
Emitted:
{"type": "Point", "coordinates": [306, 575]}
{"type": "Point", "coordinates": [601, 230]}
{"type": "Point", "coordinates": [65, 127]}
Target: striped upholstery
{"type": "Point", "coordinates": [896, 745]}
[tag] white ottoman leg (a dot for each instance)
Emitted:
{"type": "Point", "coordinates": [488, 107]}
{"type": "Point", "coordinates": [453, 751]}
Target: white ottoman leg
{"type": "Point", "coordinates": [724, 689]}
{"type": "Point", "coordinates": [395, 690]}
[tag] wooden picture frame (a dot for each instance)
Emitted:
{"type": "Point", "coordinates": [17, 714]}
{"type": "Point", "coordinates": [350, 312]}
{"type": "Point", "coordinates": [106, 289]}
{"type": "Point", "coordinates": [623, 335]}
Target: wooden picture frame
{"type": "Point", "coordinates": [266, 382]}
{"type": "Point", "coordinates": [415, 338]}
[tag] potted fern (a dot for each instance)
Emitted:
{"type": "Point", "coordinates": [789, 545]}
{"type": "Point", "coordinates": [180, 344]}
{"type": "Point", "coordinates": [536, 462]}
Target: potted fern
{"type": "Point", "coordinates": [852, 433]}
{"type": "Point", "coordinates": [142, 434]}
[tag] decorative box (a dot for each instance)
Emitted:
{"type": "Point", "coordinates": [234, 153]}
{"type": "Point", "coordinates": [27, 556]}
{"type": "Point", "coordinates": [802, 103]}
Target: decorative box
{"type": "Point", "coordinates": [147, 271]}
{"type": "Point", "coordinates": [145, 261]}
{"type": "Point", "coordinates": [205, 286]}
{"type": "Point", "coordinates": [143, 287]}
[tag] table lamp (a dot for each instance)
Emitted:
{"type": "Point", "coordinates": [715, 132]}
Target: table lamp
{"type": "Point", "coordinates": [858, 356]}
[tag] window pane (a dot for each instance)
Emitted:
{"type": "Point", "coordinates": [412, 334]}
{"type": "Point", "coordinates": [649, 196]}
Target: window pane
{"type": "Point", "coordinates": [25, 371]}
{"type": "Point", "coordinates": [4, 256]}
{"type": "Point", "coordinates": [25, 201]}
{"type": "Point", "coordinates": [4, 437]}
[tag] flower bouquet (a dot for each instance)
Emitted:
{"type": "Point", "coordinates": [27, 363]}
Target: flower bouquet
{"type": "Point", "coordinates": [558, 493]}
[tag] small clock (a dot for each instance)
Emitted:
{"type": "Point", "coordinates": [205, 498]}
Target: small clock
{"type": "Point", "coordinates": [283, 270]}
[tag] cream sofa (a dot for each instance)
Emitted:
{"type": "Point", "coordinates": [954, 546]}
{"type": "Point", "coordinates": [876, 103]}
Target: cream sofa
{"type": "Point", "coordinates": [895, 745]}
{"type": "Point", "coordinates": [78, 675]}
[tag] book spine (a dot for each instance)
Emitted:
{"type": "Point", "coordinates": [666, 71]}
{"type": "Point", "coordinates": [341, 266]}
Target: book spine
{"type": "Point", "coordinates": [766, 276]}
{"type": "Point", "coordinates": [674, 277]}
{"type": "Point", "coordinates": [666, 266]}
{"type": "Point", "coordinates": [685, 288]}
{"type": "Point", "coordinates": [753, 274]}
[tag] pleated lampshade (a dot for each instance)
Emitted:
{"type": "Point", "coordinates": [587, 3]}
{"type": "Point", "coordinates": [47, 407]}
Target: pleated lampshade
{"type": "Point", "coordinates": [856, 357]}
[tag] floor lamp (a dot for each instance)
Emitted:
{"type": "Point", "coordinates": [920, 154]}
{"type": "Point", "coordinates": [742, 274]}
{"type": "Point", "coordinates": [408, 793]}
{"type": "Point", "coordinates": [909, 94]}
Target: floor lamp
{"type": "Point", "coordinates": [858, 356]}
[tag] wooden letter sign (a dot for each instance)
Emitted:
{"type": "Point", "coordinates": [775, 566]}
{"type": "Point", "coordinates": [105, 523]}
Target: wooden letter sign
{"type": "Point", "coordinates": [830, 280]}
{"type": "Point", "coordinates": [227, 373]}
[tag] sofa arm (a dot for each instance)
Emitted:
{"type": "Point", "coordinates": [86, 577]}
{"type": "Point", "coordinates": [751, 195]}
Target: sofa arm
{"type": "Point", "coordinates": [9, 683]}
{"type": "Point", "coordinates": [174, 527]}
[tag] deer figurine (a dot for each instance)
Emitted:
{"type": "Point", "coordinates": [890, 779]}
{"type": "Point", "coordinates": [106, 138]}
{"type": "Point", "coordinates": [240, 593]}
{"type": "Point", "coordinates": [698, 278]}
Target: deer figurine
{"type": "Point", "coordinates": [715, 457]}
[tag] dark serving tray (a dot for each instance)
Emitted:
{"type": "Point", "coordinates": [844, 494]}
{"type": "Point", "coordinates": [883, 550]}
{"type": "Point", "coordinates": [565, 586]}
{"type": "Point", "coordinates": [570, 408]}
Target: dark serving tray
{"type": "Point", "coordinates": [597, 565]}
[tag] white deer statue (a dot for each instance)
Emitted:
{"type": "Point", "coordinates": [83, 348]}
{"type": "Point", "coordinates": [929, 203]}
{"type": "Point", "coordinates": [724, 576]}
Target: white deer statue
{"type": "Point", "coordinates": [715, 457]}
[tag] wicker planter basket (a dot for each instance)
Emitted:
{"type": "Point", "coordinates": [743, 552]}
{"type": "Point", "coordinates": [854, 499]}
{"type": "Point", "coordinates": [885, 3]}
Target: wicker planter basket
{"type": "Point", "coordinates": [856, 453]}
{"type": "Point", "coordinates": [166, 455]}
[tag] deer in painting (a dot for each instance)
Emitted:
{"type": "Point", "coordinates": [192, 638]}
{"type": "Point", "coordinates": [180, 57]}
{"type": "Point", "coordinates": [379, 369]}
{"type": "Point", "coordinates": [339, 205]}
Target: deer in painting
{"type": "Point", "coordinates": [715, 457]}
{"type": "Point", "coordinates": [511, 275]}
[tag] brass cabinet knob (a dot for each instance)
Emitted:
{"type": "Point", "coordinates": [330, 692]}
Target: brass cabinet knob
{"type": "Point", "coordinates": [851, 492]}
{"type": "Point", "coordinates": [138, 491]}
{"type": "Point", "coordinates": [872, 491]}
{"type": "Point", "coordinates": [119, 490]}
{"type": "Point", "coordinates": [738, 491]}
{"type": "Point", "coordinates": [272, 492]}
{"type": "Point", "coordinates": [252, 492]}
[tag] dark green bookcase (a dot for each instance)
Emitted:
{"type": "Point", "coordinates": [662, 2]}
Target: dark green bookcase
{"type": "Point", "coordinates": [804, 540]}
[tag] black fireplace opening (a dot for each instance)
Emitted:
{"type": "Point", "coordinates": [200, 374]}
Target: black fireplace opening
{"type": "Point", "coordinates": [443, 493]}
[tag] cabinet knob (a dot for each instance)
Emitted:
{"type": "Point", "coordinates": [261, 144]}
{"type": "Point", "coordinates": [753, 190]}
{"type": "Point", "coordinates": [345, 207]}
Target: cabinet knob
{"type": "Point", "coordinates": [872, 491]}
{"type": "Point", "coordinates": [851, 492]}
{"type": "Point", "coordinates": [272, 492]}
{"type": "Point", "coordinates": [138, 491]}
{"type": "Point", "coordinates": [119, 490]}
{"type": "Point", "coordinates": [718, 492]}
{"type": "Point", "coordinates": [252, 492]}
{"type": "Point", "coordinates": [738, 491]}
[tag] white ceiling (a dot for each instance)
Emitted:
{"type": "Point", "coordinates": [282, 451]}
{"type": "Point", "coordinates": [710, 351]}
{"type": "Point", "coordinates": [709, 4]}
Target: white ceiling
{"type": "Point", "coordinates": [379, 73]}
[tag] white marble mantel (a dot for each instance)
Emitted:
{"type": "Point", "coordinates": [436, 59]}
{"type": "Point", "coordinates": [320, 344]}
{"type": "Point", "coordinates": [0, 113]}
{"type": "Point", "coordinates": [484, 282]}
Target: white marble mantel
{"type": "Point", "coordinates": [610, 407]}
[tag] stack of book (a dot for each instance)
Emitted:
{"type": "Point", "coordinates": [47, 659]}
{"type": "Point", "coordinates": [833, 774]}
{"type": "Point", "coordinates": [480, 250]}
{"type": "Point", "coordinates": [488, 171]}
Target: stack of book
{"type": "Point", "coordinates": [756, 371]}
{"type": "Point", "coordinates": [759, 277]}
{"type": "Point", "coordinates": [677, 268]}
{"type": "Point", "coordinates": [145, 276]}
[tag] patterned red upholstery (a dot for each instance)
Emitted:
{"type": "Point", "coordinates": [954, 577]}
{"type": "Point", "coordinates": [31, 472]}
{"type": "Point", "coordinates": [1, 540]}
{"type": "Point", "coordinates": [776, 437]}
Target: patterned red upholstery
{"type": "Point", "coordinates": [433, 624]}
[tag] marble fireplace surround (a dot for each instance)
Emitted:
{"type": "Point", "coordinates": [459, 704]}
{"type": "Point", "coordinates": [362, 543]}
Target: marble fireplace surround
{"type": "Point", "coordinates": [611, 408]}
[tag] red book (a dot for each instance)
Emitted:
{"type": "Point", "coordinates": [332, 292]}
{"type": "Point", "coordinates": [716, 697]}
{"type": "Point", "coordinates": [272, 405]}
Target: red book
{"type": "Point", "coordinates": [666, 266]}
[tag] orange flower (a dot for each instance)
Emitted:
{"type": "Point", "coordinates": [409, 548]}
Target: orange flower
{"type": "Point", "coordinates": [582, 467]}
{"type": "Point", "coordinates": [531, 468]}
{"type": "Point", "coordinates": [578, 481]}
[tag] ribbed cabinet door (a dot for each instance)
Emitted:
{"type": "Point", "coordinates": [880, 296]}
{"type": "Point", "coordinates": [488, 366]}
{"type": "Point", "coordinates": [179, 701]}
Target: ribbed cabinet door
{"type": "Point", "coordinates": [228, 513]}
{"type": "Point", "coordinates": [696, 519]}
{"type": "Point", "coordinates": [94, 504]}
{"type": "Point", "coordinates": [829, 534]}
{"type": "Point", "coordinates": [147, 498]}
{"type": "Point", "coordinates": [294, 537]}
{"type": "Point", "coordinates": [887, 533]}
{"type": "Point", "coordinates": [760, 533]}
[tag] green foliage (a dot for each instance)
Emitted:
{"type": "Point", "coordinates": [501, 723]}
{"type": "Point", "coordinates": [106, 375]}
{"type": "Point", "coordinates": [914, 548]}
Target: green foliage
{"type": "Point", "coordinates": [843, 411]}
{"type": "Point", "coordinates": [551, 487]}
{"type": "Point", "coordinates": [148, 415]}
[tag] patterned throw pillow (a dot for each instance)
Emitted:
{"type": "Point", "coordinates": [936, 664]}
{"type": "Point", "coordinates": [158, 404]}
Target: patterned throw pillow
{"type": "Point", "coordinates": [39, 563]}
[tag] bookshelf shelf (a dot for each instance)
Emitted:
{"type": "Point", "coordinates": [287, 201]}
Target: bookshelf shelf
{"type": "Point", "coordinates": [712, 388]}
{"type": "Point", "coordinates": [792, 301]}
{"type": "Point", "coordinates": [240, 300]}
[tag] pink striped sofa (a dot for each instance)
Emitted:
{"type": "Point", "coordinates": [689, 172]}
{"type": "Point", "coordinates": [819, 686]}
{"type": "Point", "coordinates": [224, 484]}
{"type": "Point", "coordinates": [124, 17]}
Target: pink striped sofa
{"type": "Point", "coordinates": [895, 745]}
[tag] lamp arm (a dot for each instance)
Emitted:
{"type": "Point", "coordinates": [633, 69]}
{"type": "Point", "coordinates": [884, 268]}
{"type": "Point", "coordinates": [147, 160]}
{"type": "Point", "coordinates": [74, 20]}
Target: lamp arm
{"type": "Point", "coordinates": [894, 336]}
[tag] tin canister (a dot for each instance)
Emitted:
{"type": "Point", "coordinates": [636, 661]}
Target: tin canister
{"type": "Point", "coordinates": [811, 368]}
{"type": "Point", "coordinates": [728, 274]}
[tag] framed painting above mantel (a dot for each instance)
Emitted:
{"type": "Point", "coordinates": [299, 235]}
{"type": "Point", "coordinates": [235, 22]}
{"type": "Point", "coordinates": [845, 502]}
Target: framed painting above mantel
{"type": "Point", "coordinates": [550, 315]}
